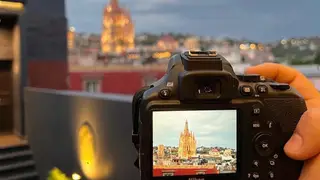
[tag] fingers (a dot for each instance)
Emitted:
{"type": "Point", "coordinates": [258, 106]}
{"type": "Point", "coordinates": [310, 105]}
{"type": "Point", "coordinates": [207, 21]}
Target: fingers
{"type": "Point", "coordinates": [305, 142]}
{"type": "Point", "coordinates": [284, 74]}
{"type": "Point", "coordinates": [310, 169]}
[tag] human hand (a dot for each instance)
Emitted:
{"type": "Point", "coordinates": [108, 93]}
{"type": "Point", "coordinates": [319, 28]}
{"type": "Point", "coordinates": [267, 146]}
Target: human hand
{"type": "Point", "coordinates": [305, 142]}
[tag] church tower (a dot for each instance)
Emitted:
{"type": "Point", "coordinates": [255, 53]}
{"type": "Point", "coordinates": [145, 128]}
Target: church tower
{"type": "Point", "coordinates": [187, 143]}
{"type": "Point", "coordinates": [118, 33]}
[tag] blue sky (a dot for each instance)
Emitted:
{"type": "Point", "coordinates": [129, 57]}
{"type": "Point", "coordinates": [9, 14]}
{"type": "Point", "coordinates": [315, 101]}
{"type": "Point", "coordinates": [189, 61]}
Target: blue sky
{"type": "Point", "coordinates": [256, 20]}
{"type": "Point", "coordinates": [211, 128]}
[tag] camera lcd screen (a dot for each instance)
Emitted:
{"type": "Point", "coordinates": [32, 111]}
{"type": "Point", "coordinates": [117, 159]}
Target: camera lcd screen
{"type": "Point", "coordinates": [194, 142]}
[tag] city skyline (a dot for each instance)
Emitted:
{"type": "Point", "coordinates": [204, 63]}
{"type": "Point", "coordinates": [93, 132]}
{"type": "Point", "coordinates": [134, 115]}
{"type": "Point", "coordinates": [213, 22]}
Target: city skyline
{"type": "Point", "coordinates": [260, 21]}
{"type": "Point", "coordinates": [212, 128]}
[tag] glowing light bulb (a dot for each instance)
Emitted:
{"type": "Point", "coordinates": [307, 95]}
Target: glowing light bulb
{"type": "Point", "coordinates": [76, 176]}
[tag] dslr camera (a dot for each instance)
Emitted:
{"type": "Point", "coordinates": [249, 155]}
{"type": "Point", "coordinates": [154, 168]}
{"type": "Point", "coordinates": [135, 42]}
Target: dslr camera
{"type": "Point", "coordinates": [201, 121]}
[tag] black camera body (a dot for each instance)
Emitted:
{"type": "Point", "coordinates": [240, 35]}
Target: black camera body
{"type": "Point", "coordinates": [201, 121]}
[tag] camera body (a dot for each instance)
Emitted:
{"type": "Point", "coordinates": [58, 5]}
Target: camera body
{"type": "Point", "coordinates": [201, 121]}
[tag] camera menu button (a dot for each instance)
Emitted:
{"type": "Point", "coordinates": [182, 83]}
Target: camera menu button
{"type": "Point", "coordinates": [256, 124]}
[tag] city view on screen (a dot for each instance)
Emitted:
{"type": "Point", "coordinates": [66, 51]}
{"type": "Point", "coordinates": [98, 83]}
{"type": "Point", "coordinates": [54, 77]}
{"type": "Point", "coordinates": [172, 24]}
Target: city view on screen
{"type": "Point", "coordinates": [194, 142]}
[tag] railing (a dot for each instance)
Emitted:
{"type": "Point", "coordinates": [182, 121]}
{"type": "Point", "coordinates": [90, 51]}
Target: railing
{"type": "Point", "coordinates": [61, 124]}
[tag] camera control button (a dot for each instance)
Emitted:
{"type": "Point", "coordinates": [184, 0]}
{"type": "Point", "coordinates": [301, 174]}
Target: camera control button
{"type": "Point", "coordinates": [280, 86]}
{"type": "Point", "coordinates": [262, 79]}
{"type": "Point", "coordinates": [271, 175]}
{"type": "Point", "coordinates": [246, 90]}
{"type": "Point", "coordinates": [262, 89]}
{"type": "Point", "coordinates": [165, 93]}
{"type": "Point", "coordinates": [255, 163]}
{"type": "Point", "coordinates": [264, 145]}
{"type": "Point", "coordinates": [270, 124]}
{"type": "Point", "coordinates": [256, 110]}
{"type": "Point", "coordinates": [255, 175]}
{"type": "Point", "coordinates": [256, 124]}
{"type": "Point", "coordinates": [272, 162]}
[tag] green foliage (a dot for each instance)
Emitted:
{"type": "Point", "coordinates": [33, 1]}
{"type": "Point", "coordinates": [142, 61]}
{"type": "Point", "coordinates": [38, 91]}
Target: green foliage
{"type": "Point", "coordinates": [57, 174]}
{"type": "Point", "coordinates": [317, 58]}
{"type": "Point", "coordinates": [300, 62]}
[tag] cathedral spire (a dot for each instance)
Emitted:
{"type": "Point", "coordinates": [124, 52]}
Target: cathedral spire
{"type": "Point", "coordinates": [114, 3]}
{"type": "Point", "coordinates": [186, 127]}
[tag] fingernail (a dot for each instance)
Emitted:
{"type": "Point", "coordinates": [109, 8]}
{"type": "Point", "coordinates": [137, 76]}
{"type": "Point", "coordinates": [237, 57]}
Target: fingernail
{"type": "Point", "coordinates": [294, 143]}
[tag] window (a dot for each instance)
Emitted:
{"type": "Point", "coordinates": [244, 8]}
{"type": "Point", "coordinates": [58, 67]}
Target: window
{"type": "Point", "coordinates": [92, 86]}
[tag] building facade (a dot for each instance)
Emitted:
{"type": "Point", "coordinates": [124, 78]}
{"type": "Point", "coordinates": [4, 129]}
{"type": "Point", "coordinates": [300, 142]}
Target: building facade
{"type": "Point", "coordinates": [187, 143]}
{"type": "Point", "coordinates": [117, 29]}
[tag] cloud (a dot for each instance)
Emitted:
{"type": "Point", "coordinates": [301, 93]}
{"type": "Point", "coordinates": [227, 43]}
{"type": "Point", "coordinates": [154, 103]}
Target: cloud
{"type": "Point", "coordinates": [211, 128]}
{"type": "Point", "coordinates": [258, 20]}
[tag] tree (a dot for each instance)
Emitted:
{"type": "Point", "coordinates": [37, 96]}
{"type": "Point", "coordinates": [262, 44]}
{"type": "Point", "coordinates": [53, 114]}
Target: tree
{"type": "Point", "coordinates": [317, 59]}
{"type": "Point", "coordinates": [299, 62]}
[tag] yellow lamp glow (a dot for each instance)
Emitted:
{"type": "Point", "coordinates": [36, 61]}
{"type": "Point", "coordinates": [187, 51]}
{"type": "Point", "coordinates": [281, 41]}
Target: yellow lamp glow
{"type": "Point", "coordinates": [11, 5]}
{"type": "Point", "coordinates": [253, 46]}
{"type": "Point", "coordinates": [87, 149]}
{"type": "Point", "coordinates": [76, 176]}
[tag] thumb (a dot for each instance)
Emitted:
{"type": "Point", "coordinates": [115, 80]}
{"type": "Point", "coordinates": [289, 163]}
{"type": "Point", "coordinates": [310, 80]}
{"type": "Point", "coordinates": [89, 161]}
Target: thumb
{"type": "Point", "coordinates": [305, 142]}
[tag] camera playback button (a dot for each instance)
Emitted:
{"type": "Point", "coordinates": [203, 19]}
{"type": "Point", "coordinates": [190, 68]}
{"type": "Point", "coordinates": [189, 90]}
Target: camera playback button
{"type": "Point", "coordinates": [246, 90]}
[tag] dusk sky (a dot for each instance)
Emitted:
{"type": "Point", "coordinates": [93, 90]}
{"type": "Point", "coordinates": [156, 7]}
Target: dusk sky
{"type": "Point", "coordinates": [211, 128]}
{"type": "Point", "coordinates": [255, 20]}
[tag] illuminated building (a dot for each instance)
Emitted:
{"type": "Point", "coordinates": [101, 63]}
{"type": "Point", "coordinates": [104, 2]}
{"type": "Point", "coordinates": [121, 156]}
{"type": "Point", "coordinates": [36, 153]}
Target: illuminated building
{"type": "Point", "coordinates": [187, 143]}
{"type": "Point", "coordinates": [192, 43]}
{"type": "Point", "coordinates": [160, 151]}
{"type": "Point", "coordinates": [167, 43]}
{"type": "Point", "coordinates": [117, 30]}
{"type": "Point", "coordinates": [161, 55]}
{"type": "Point", "coordinates": [227, 152]}
{"type": "Point", "coordinates": [71, 37]}
{"type": "Point", "coordinates": [215, 153]}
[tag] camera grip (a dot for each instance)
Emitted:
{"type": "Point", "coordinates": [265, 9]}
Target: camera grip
{"type": "Point", "coordinates": [286, 112]}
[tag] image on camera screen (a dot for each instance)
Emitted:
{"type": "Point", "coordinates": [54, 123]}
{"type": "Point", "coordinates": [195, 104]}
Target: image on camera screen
{"type": "Point", "coordinates": [194, 142]}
